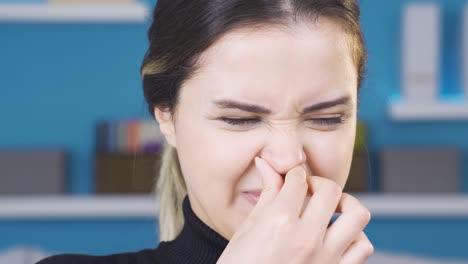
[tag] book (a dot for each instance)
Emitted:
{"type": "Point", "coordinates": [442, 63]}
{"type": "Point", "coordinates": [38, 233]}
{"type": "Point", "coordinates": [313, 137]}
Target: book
{"type": "Point", "coordinates": [128, 136]}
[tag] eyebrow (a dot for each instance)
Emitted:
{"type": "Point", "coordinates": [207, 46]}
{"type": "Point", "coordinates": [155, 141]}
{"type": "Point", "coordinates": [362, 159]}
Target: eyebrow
{"type": "Point", "coordinates": [230, 104]}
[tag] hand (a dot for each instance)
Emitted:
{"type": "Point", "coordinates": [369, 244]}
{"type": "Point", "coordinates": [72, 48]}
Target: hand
{"type": "Point", "coordinates": [289, 226]}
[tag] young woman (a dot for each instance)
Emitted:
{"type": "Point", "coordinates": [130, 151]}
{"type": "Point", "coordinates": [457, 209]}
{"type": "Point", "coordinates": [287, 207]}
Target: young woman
{"type": "Point", "coordinates": [257, 100]}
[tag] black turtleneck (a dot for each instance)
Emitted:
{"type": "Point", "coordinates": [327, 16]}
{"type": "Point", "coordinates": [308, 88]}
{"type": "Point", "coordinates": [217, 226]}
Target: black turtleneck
{"type": "Point", "coordinates": [196, 243]}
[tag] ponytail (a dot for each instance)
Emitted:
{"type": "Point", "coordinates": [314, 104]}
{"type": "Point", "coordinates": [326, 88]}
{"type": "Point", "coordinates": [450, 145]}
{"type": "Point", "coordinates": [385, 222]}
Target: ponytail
{"type": "Point", "coordinates": [171, 190]}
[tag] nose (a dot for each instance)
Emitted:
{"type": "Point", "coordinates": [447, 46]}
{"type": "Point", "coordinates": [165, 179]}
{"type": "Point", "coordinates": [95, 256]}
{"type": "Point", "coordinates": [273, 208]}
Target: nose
{"type": "Point", "coordinates": [284, 152]}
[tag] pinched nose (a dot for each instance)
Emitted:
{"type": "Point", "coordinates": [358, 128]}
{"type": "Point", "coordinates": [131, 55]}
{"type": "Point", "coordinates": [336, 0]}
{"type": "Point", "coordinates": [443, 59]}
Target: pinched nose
{"type": "Point", "coordinates": [284, 153]}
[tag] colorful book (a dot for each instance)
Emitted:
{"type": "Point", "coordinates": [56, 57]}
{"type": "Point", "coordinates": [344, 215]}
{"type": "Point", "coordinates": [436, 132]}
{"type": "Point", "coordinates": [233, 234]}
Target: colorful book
{"type": "Point", "coordinates": [128, 136]}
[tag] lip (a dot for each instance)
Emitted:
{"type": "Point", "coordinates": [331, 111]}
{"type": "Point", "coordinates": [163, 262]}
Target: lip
{"type": "Point", "coordinates": [252, 196]}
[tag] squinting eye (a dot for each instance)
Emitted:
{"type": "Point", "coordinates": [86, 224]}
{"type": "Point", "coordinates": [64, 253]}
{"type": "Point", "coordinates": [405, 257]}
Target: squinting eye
{"type": "Point", "coordinates": [240, 121]}
{"type": "Point", "coordinates": [328, 121]}
{"type": "Point", "coordinates": [251, 121]}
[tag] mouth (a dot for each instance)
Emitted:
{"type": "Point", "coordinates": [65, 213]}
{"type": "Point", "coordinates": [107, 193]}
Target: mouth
{"type": "Point", "coordinates": [252, 196]}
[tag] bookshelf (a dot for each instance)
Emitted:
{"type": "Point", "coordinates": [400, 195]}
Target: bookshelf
{"type": "Point", "coordinates": [109, 13]}
{"type": "Point", "coordinates": [147, 206]}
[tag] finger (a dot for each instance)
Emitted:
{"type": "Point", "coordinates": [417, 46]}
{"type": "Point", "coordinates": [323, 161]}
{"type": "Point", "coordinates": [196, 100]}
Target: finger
{"type": "Point", "coordinates": [271, 182]}
{"type": "Point", "coordinates": [322, 205]}
{"type": "Point", "coordinates": [359, 251]}
{"type": "Point", "coordinates": [353, 219]}
{"type": "Point", "coordinates": [290, 199]}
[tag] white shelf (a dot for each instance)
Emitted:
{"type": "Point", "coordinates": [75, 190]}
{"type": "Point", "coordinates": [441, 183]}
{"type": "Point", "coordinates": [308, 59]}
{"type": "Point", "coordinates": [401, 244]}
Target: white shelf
{"type": "Point", "coordinates": [130, 206]}
{"type": "Point", "coordinates": [146, 206]}
{"type": "Point", "coordinates": [416, 205]}
{"type": "Point", "coordinates": [131, 12]}
{"type": "Point", "coordinates": [404, 111]}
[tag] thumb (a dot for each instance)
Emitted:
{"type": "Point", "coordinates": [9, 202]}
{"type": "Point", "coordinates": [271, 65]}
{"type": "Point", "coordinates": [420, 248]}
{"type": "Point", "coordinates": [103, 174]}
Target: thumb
{"type": "Point", "coordinates": [271, 181]}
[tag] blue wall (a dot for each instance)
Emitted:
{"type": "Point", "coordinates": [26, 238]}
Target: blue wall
{"type": "Point", "coordinates": [85, 236]}
{"type": "Point", "coordinates": [58, 80]}
{"type": "Point", "coordinates": [381, 25]}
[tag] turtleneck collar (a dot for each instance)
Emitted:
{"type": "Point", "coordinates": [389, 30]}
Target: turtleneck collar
{"type": "Point", "coordinates": [197, 242]}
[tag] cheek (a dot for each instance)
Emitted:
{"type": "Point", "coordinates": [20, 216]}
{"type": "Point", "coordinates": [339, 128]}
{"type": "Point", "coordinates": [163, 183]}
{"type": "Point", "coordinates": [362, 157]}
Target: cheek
{"type": "Point", "coordinates": [234, 153]}
{"type": "Point", "coordinates": [330, 154]}
{"type": "Point", "coordinates": [213, 157]}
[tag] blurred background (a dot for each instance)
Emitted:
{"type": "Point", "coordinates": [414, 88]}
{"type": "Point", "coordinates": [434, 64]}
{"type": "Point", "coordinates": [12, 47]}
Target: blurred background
{"type": "Point", "coordinates": [79, 150]}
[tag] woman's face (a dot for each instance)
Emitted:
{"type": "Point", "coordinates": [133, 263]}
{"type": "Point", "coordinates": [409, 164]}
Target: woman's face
{"type": "Point", "coordinates": [296, 92]}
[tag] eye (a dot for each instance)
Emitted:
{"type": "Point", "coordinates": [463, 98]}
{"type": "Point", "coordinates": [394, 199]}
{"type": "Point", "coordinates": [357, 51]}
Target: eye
{"type": "Point", "coordinates": [251, 121]}
{"type": "Point", "coordinates": [240, 121]}
{"type": "Point", "coordinates": [328, 121]}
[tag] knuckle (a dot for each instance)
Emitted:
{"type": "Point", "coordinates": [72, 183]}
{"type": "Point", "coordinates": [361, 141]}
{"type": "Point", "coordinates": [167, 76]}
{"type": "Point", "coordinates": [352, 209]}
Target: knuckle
{"type": "Point", "coordinates": [346, 196]}
{"type": "Point", "coordinates": [353, 200]}
{"type": "Point", "coordinates": [284, 222]}
{"type": "Point", "coordinates": [363, 215]}
{"type": "Point", "coordinates": [369, 249]}
{"type": "Point", "coordinates": [333, 188]}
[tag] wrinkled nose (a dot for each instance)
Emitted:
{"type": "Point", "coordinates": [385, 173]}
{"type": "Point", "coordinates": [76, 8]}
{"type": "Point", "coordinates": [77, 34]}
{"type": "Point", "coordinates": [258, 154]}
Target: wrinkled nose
{"type": "Point", "coordinates": [284, 151]}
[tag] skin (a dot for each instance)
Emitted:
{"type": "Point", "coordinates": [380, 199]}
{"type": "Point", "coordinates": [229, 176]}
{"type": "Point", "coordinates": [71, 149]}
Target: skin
{"type": "Point", "coordinates": [283, 71]}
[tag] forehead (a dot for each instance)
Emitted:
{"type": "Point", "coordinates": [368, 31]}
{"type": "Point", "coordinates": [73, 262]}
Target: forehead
{"type": "Point", "coordinates": [303, 61]}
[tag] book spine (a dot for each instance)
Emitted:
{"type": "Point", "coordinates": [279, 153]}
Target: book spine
{"type": "Point", "coordinates": [132, 136]}
{"type": "Point", "coordinates": [111, 136]}
{"type": "Point", "coordinates": [128, 136]}
{"type": "Point", "coordinates": [150, 137]}
{"type": "Point", "coordinates": [121, 137]}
